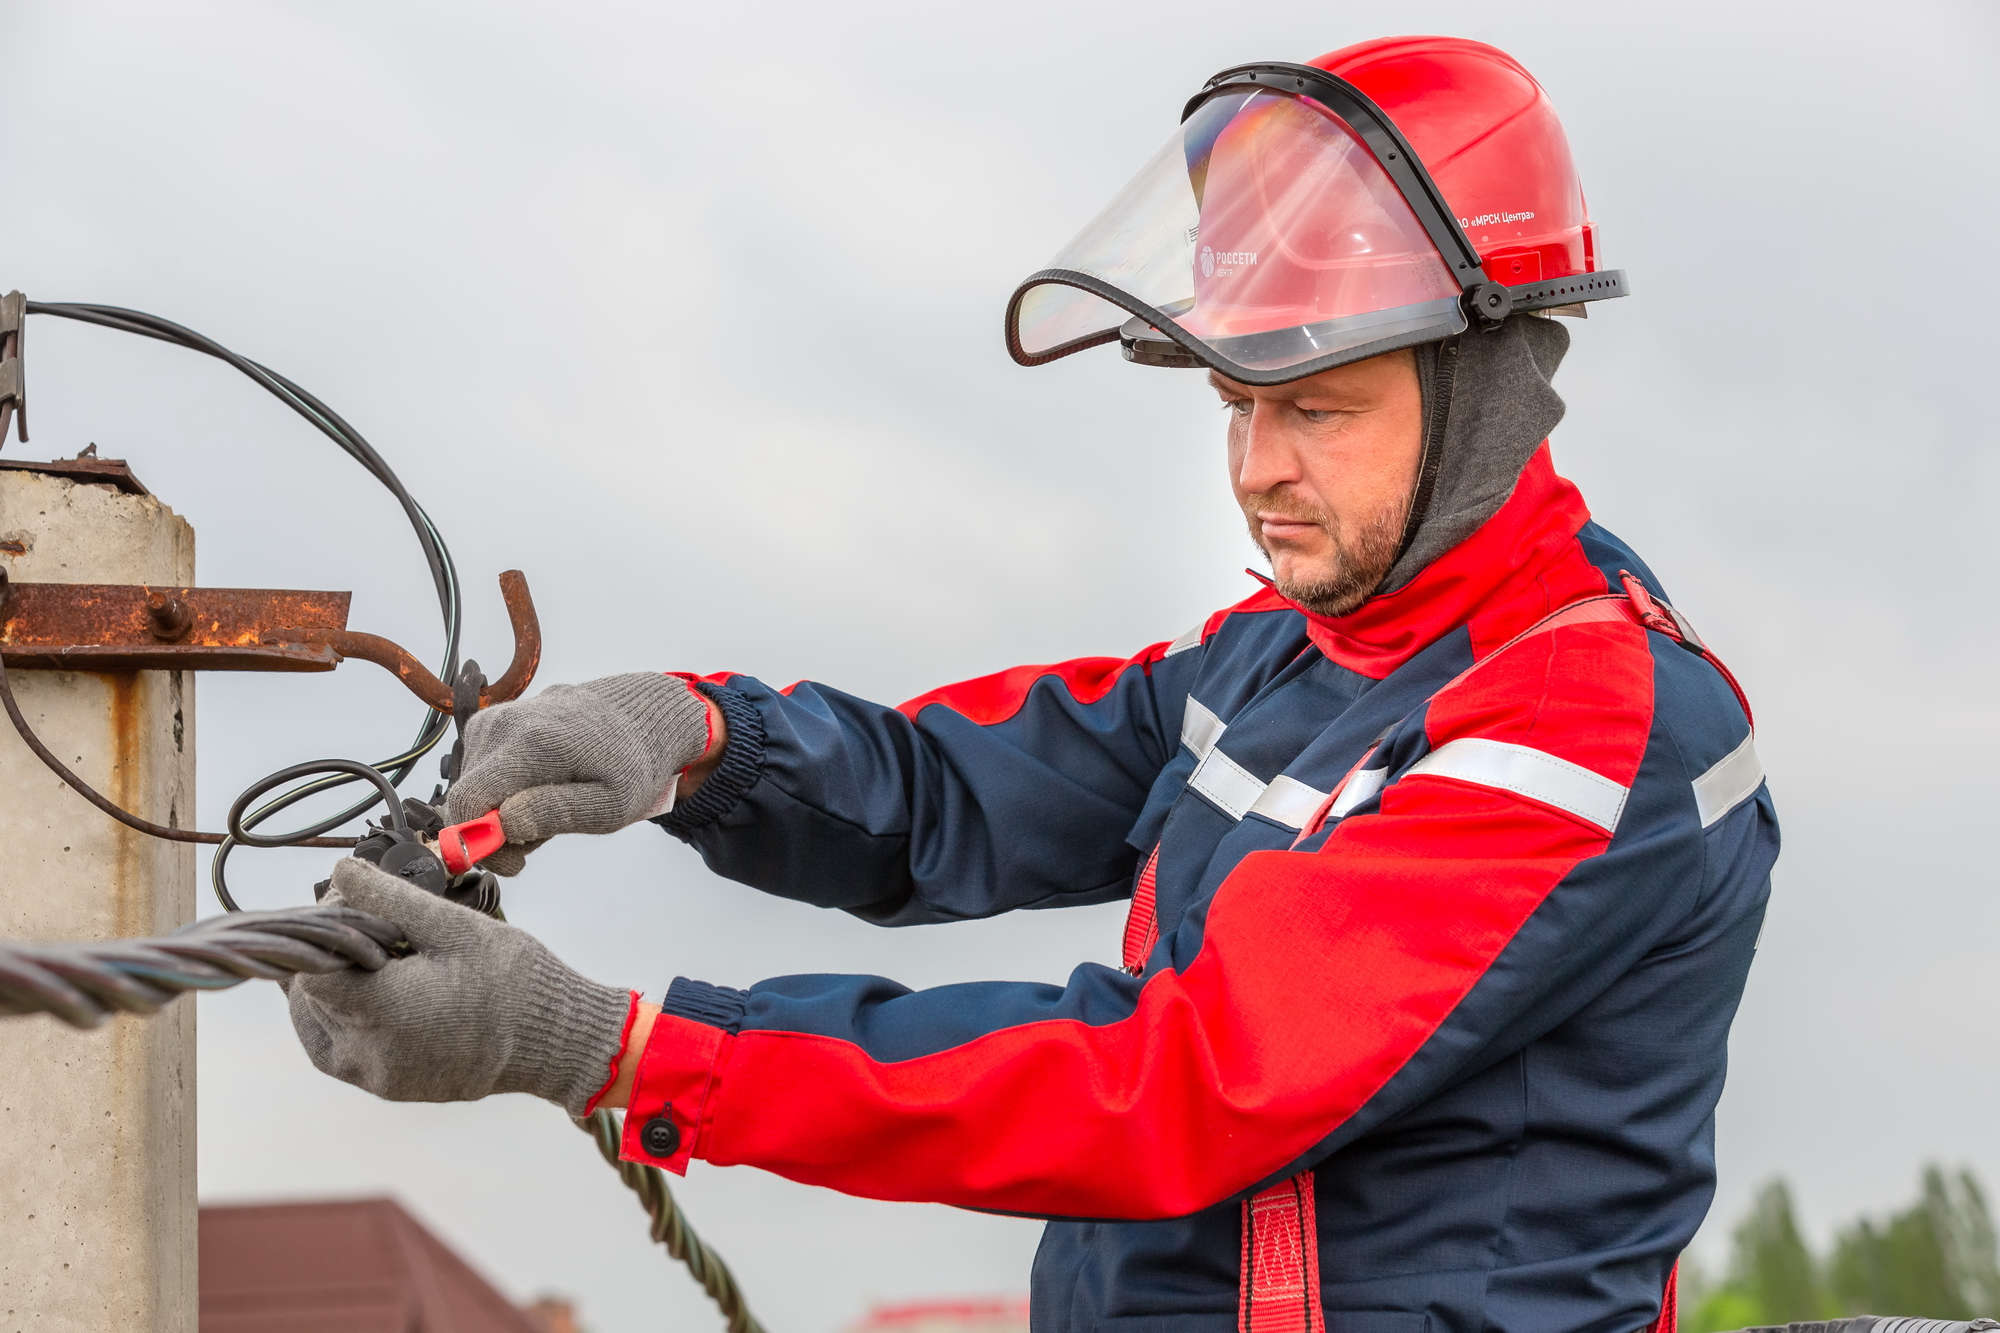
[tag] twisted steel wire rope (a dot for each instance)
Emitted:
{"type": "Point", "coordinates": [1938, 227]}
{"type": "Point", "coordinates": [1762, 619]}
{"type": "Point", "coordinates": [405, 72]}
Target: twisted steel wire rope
{"type": "Point", "coordinates": [83, 984]}
{"type": "Point", "coordinates": [669, 1226]}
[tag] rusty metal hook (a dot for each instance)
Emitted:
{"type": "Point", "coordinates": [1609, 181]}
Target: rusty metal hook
{"type": "Point", "coordinates": [393, 657]}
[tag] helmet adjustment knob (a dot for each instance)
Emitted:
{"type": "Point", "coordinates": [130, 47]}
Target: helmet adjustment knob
{"type": "Point", "coordinates": [1491, 301]}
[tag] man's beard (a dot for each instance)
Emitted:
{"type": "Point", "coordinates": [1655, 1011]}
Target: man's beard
{"type": "Point", "coordinates": [1361, 559]}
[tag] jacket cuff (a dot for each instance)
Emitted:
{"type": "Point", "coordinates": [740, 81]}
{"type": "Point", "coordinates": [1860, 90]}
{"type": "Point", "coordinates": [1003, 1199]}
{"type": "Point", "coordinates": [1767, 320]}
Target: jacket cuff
{"type": "Point", "coordinates": [624, 1035]}
{"type": "Point", "coordinates": [718, 1006]}
{"type": "Point", "coordinates": [664, 1119]}
{"type": "Point", "coordinates": [742, 764]}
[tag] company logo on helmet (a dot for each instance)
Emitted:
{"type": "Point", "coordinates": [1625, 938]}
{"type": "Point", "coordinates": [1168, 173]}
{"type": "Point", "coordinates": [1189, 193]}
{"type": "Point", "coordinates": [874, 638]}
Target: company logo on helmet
{"type": "Point", "coordinates": [1228, 259]}
{"type": "Point", "coordinates": [1492, 219]}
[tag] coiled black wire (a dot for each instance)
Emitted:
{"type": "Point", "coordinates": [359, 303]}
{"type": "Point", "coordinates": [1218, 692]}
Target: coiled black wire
{"type": "Point", "coordinates": [386, 774]}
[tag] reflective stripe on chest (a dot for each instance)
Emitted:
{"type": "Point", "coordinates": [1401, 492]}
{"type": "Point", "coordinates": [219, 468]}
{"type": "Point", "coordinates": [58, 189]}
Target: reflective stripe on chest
{"type": "Point", "coordinates": [1234, 789]}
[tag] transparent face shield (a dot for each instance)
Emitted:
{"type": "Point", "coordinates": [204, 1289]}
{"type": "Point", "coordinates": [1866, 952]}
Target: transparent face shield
{"type": "Point", "coordinates": [1265, 241]}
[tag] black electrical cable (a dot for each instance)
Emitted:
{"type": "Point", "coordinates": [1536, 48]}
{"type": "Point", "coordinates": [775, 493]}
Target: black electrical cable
{"type": "Point", "coordinates": [388, 774]}
{"type": "Point", "coordinates": [385, 792]}
{"type": "Point", "coordinates": [239, 831]}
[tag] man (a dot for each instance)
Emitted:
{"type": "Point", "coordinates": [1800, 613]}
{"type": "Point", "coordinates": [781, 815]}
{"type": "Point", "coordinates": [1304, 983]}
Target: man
{"type": "Point", "coordinates": [1447, 851]}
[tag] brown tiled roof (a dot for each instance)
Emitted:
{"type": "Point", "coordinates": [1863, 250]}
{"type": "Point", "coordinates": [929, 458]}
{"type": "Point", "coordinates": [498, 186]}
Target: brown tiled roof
{"type": "Point", "coordinates": [359, 1266]}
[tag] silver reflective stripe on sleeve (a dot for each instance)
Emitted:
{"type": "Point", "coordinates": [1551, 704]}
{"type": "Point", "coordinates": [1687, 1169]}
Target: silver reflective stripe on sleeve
{"type": "Point", "coordinates": [1733, 780]}
{"type": "Point", "coordinates": [1289, 802]}
{"type": "Point", "coordinates": [1227, 783]}
{"type": "Point", "coordinates": [1531, 773]}
{"type": "Point", "coordinates": [1200, 729]}
{"type": "Point", "coordinates": [1359, 788]}
{"type": "Point", "coordinates": [1191, 639]}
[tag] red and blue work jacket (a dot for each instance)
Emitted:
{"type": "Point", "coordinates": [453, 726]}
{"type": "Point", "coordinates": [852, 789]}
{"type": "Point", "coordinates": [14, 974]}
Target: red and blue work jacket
{"type": "Point", "coordinates": [1441, 912]}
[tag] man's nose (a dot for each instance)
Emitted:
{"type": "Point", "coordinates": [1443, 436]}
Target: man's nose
{"type": "Point", "coordinates": [1269, 459]}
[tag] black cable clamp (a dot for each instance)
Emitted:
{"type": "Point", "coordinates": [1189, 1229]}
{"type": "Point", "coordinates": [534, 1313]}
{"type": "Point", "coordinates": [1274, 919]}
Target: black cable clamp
{"type": "Point", "coordinates": [464, 703]}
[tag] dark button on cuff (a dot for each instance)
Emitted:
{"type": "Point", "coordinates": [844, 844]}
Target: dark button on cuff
{"type": "Point", "coordinates": [660, 1137]}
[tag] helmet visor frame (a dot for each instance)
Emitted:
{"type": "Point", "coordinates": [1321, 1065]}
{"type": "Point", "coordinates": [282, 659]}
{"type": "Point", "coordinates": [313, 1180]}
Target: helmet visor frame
{"type": "Point", "coordinates": [1446, 302]}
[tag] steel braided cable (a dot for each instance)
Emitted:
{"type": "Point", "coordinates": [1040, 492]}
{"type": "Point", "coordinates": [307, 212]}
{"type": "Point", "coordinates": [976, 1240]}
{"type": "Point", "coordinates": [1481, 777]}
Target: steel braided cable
{"type": "Point", "coordinates": [84, 983]}
{"type": "Point", "coordinates": [670, 1227]}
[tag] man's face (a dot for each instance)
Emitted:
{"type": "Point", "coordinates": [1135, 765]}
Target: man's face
{"type": "Point", "coordinates": [1323, 468]}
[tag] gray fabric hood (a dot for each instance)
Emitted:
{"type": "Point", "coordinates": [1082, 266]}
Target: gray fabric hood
{"type": "Point", "coordinates": [1488, 405]}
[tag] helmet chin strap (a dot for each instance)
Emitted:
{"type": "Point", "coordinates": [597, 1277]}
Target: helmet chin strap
{"type": "Point", "coordinates": [1437, 417]}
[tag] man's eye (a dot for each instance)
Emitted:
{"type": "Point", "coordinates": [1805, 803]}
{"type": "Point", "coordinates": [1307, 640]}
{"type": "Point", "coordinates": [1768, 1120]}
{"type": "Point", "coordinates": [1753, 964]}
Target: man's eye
{"type": "Point", "coordinates": [1313, 414]}
{"type": "Point", "coordinates": [1240, 406]}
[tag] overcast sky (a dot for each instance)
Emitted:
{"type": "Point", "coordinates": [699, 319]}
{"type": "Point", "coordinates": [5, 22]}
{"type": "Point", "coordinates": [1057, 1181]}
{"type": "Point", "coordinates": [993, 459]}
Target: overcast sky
{"type": "Point", "coordinates": [693, 314]}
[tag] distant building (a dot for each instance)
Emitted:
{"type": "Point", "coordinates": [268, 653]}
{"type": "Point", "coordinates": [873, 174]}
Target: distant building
{"type": "Point", "coordinates": [359, 1266]}
{"type": "Point", "coordinates": [1007, 1315]}
{"type": "Point", "coordinates": [552, 1316]}
{"type": "Point", "coordinates": [366, 1266]}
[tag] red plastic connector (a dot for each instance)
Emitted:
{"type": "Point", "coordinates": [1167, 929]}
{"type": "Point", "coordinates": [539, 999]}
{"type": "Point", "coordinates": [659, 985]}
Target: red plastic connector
{"type": "Point", "coordinates": [464, 845]}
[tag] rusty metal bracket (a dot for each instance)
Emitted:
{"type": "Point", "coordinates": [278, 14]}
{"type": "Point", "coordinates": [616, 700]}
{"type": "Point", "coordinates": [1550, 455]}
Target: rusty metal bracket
{"type": "Point", "coordinates": [134, 627]}
{"type": "Point", "coordinates": [86, 467]}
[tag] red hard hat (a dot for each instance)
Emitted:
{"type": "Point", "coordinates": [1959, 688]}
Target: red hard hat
{"type": "Point", "coordinates": [1306, 216]}
{"type": "Point", "coordinates": [1490, 139]}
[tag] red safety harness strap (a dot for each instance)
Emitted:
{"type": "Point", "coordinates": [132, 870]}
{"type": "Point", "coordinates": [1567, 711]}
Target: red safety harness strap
{"type": "Point", "coordinates": [1142, 922]}
{"type": "Point", "coordinates": [1670, 1303]}
{"type": "Point", "coordinates": [1279, 1292]}
{"type": "Point", "coordinates": [1675, 626]}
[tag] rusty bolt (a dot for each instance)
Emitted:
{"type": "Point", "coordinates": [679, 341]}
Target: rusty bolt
{"type": "Point", "coordinates": [168, 616]}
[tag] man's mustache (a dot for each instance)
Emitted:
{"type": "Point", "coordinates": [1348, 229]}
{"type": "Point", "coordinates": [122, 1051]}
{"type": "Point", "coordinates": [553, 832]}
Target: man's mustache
{"type": "Point", "coordinates": [1284, 504]}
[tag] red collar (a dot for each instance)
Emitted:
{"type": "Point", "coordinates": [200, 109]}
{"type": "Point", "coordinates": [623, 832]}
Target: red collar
{"type": "Point", "coordinates": [1507, 574]}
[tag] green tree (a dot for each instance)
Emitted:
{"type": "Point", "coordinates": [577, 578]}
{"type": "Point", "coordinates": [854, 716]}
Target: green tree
{"type": "Point", "coordinates": [1972, 1254]}
{"type": "Point", "coordinates": [1935, 1259]}
{"type": "Point", "coordinates": [1709, 1306]}
{"type": "Point", "coordinates": [1772, 1279]}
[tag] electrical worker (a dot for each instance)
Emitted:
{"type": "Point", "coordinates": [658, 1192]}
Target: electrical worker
{"type": "Point", "coordinates": [1447, 850]}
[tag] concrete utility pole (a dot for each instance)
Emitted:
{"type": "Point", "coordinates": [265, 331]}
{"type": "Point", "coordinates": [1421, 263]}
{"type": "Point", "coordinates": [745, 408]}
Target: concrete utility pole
{"type": "Point", "coordinates": [97, 1146]}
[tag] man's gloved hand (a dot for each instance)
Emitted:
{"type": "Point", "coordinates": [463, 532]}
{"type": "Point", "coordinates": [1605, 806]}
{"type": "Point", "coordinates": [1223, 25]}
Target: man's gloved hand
{"type": "Point", "coordinates": [587, 758]}
{"type": "Point", "coordinates": [480, 1008]}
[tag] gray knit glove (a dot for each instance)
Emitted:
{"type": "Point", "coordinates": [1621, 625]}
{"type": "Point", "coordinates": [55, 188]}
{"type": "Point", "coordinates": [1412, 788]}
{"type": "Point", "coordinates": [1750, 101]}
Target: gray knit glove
{"type": "Point", "coordinates": [480, 1008]}
{"type": "Point", "coordinates": [587, 758]}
